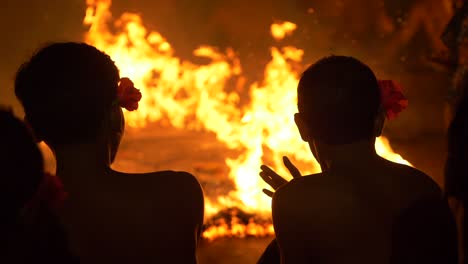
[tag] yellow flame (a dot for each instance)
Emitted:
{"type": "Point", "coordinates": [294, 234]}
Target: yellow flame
{"type": "Point", "coordinates": [383, 148]}
{"type": "Point", "coordinates": [192, 96]}
{"type": "Point", "coordinates": [280, 30]}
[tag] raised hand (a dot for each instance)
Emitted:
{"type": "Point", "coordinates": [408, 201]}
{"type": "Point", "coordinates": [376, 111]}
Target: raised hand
{"type": "Point", "coordinates": [275, 180]}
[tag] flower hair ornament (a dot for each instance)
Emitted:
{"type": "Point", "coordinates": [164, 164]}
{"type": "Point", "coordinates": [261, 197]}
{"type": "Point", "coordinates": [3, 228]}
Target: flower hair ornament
{"type": "Point", "coordinates": [392, 98]}
{"type": "Point", "coordinates": [127, 95]}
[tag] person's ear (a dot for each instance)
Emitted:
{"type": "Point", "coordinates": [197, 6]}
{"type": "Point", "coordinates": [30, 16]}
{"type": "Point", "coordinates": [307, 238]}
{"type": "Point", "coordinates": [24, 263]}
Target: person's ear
{"type": "Point", "coordinates": [38, 137]}
{"type": "Point", "coordinates": [302, 127]}
{"type": "Point", "coordinates": [113, 136]}
{"type": "Point", "coordinates": [379, 124]}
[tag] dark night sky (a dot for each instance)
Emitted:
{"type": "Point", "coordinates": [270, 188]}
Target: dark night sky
{"type": "Point", "coordinates": [27, 24]}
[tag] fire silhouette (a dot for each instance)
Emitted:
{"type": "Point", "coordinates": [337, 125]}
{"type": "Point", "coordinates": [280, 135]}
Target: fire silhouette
{"type": "Point", "coordinates": [198, 97]}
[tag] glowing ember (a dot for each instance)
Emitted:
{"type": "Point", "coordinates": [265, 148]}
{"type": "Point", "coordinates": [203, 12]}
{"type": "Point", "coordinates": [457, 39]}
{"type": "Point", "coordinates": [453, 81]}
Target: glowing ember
{"type": "Point", "coordinates": [192, 96]}
{"type": "Point", "coordinates": [280, 30]}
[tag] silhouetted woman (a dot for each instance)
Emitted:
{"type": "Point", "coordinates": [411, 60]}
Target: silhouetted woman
{"type": "Point", "coordinates": [72, 95]}
{"type": "Point", "coordinates": [29, 227]}
{"type": "Point", "coordinates": [361, 208]}
{"type": "Point", "coordinates": [456, 167]}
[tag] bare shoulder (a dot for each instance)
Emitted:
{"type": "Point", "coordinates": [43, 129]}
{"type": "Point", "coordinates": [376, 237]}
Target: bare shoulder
{"type": "Point", "coordinates": [183, 178]}
{"type": "Point", "coordinates": [183, 181]}
{"type": "Point", "coordinates": [306, 187]}
{"type": "Point", "coordinates": [298, 203]}
{"type": "Point", "coordinates": [316, 181]}
{"type": "Point", "coordinates": [186, 179]}
{"type": "Point", "coordinates": [174, 185]}
{"type": "Point", "coordinates": [412, 179]}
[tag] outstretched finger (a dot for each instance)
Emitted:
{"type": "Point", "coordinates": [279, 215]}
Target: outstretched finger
{"type": "Point", "coordinates": [292, 169]}
{"type": "Point", "coordinates": [275, 183]}
{"type": "Point", "coordinates": [265, 177]}
{"type": "Point", "coordinates": [267, 169]}
{"type": "Point", "coordinates": [271, 173]}
{"type": "Point", "coordinates": [271, 177]}
{"type": "Point", "coordinates": [268, 192]}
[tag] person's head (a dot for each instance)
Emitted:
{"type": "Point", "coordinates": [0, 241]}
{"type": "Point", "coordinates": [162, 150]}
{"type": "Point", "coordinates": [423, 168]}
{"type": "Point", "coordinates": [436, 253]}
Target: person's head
{"type": "Point", "coordinates": [338, 102]}
{"type": "Point", "coordinates": [68, 91]}
{"type": "Point", "coordinates": [21, 162]}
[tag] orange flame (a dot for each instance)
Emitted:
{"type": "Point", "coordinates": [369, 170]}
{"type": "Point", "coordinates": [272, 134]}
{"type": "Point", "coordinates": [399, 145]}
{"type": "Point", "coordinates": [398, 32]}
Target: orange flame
{"type": "Point", "coordinates": [194, 96]}
{"type": "Point", "coordinates": [280, 30]}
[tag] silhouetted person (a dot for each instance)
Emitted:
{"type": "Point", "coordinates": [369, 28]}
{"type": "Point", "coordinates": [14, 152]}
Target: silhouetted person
{"type": "Point", "coordinates": [456, 167]}
{"type": "Point", "coordinates": [29, 229]}
{"type": "Point", "coordinates": [426, 16]}
{"type": "Point", "coordinates": [361, 208]}
{"type": "Point", "coordinates": [72, 100]}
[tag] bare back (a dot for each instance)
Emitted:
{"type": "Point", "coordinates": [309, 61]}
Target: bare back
{"type": "Point", "coordinates": [347, 217]}
{"type": "Point", "coordinates": [137, 218]}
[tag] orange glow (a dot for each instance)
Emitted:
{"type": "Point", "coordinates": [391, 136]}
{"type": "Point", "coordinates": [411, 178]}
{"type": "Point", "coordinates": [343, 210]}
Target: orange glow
{"type": "Point", "coordinates": [383, 148]}
{"type": "Point", "coordinates": [195, 97]}
{"type": "Point", "coordinates": [280, 30]}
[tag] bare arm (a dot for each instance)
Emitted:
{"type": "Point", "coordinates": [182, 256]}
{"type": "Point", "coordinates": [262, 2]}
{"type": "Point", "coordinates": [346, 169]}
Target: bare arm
{"type": "Point", "coordinates": [290, 238]}
{"type": "Point", "coordinates": [181, 221]}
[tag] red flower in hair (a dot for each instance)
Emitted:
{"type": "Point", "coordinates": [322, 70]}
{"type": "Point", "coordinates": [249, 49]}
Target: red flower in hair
{"type": "Point", "coordinates": [392, 98]}
{"type": "Point", "coordinates": [128, 96]}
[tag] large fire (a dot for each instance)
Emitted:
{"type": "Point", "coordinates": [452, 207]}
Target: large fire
{"type": "Point", "coordinates": [204, 97]}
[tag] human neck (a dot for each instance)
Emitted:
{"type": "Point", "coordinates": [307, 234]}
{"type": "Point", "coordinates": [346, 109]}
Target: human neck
{"type": "Point", "coordinates": [360, 154]}
{"type": "Point", "coordinates": [80, 163]}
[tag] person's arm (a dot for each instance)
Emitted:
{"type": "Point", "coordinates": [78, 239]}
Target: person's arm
{"type": "Point", "coordinates": [271, 255]}
{"type": "Point", "coordinates": [456, 167]}
{"type": "Point", "coordinates": [290, 228]}
{"type": "Point", "coordinates": [455, 172]}
{"type": "Point", "coordinates": [182, 221]}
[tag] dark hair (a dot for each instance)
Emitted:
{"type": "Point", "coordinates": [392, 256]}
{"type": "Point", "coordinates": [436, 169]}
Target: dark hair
{"type": "Point", "coordinates": [66, 89]}
{"type": "Point", "coordinates": [20, 161]}
{"type": "Point", "coordinates": [339, 98]}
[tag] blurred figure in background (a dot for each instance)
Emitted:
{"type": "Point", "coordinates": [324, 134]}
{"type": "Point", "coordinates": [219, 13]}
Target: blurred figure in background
{"type": "Point", "coordinates": [30, 230]}
{"type": "Point", "coordinates": [362, 21]}
{"type": "Point", "coordinates": [456, 170]}
{"type": "Point", "coordinates": [428, 16]}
